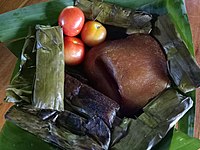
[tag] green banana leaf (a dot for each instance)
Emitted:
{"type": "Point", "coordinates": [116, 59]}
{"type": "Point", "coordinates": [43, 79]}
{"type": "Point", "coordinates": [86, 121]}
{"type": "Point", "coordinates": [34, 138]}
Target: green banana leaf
{"type": "Point", "coordinates": [180, 19]}
{"type": "Point", "coordinates": [12, 137]}
{"type": "Point", "coordinates": [14, 30]}
{"type": "Point", "coordinates": [13, 34]}
{"type": "Point", "coordinates": [181, 141]}
{"type": "Point", "coordinates": [177, 140]}
{"type": "Point", "coordinates": [22, 83]}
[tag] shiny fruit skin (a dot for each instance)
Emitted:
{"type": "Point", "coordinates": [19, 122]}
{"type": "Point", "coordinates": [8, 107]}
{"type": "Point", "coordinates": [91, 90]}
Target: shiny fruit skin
{"type": "Point", "coordinates": [93, 33]}
{"type": "Point", "coordinates": [74, 50]}
{"type": "Point", "coordinates": [71, 19]}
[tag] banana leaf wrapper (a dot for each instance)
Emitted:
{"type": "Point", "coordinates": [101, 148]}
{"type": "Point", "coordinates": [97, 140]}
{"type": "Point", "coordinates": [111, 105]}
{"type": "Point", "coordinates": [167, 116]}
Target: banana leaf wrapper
{"type": "Point", "coordinates": [159, 116]}
{"type": "Point", "coordinates": [29, 84]}
{"type": "Point", "coordinates": [69, 130]}
{"type": "Point", "coordinates": [182, 67]}
{"type": "Point", "coordinates": [133, 21]}
{"type": "Point", "coordinates": [48, 92]}
{"type": "Point", "coordinates": [21, 86]}
{"type": "Point", "coordinates": [56, 131]}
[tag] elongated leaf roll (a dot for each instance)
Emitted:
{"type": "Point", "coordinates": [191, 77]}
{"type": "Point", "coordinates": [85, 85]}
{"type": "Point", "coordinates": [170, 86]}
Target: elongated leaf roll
{"type": "Point", "coordinates": [49, 79]}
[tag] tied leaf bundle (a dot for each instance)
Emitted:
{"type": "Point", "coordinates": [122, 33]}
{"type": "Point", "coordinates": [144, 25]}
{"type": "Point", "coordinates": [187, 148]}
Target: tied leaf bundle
{"type": "Point", "coordinates": [49, 79]}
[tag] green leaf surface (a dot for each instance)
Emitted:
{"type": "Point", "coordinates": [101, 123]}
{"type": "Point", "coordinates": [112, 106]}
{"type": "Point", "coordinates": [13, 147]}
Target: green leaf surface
{"type": "Point", "coordinates": [21, 19]}
{"type": "Point", "coordinates": [186, 124]}
{"type": "Point", "coordinates": [178, 15]}
{"type": "Point", "coordinates": [177, 140]}
{"type": "Point", "coordinates": [21, 84]}
{"type": "Point", "coordinates": [150, 6]}
{"type": "Point", "coordinates": [181, 141]}
{"type": "Point", "coordinates": [15, 138]}
{"type": "Point", "coordinates": [134, 4]}
{"type": "Point", "coordinates": [165, 143]}
{"type": "Point", "coordinates": [18, 21]}
{"type": "Point", "coordinates": [16, 46]}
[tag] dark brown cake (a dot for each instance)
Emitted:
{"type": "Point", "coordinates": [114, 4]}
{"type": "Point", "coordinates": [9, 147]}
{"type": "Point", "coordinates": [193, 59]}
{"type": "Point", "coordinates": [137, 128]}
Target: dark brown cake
{"type": "Point", "coordinates": [89, 101]}
{"type": "Point", "coordinates": [131, 70]}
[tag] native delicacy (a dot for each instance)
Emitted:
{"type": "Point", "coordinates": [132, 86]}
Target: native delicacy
{"type": "Point", "coordinates": [131, 71]}
{"type": "Point", "coordinates": [49, 67]}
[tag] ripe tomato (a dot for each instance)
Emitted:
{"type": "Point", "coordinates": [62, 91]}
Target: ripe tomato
{"type": "Point", "coordinates": [73, 50]}
{"type": "Point", "coordinates": [93, 33]}
{"type": "Point", "coordinates": [72, 20]}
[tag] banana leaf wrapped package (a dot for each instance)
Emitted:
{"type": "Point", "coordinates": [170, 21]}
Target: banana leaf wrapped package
{"type": "Point", "coordinates": [62, 110]}
{"type": "Point", "coordinates": [49, 77]}
{"type": "Point", "coordinates": [20, 88]}
{"type": "Point", "coordinates": [47, 48]}
{"type": "Point", "coordinates": [181, 65]}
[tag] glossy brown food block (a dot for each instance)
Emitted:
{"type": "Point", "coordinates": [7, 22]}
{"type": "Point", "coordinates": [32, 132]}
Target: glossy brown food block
{"type": "Point", "coordinates": [89, 102]}
{"type": "Point", "coordinates": [131, 70]}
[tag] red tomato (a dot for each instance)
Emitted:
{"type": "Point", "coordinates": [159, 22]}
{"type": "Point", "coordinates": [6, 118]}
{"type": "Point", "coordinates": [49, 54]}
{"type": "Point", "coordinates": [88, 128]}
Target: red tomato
{"type": "Point", "coordinates": [73, 50]}
{"type": "Point", "coordinates": [72, 20]}
{"type": "Point", "coordinates": [93, 33]}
